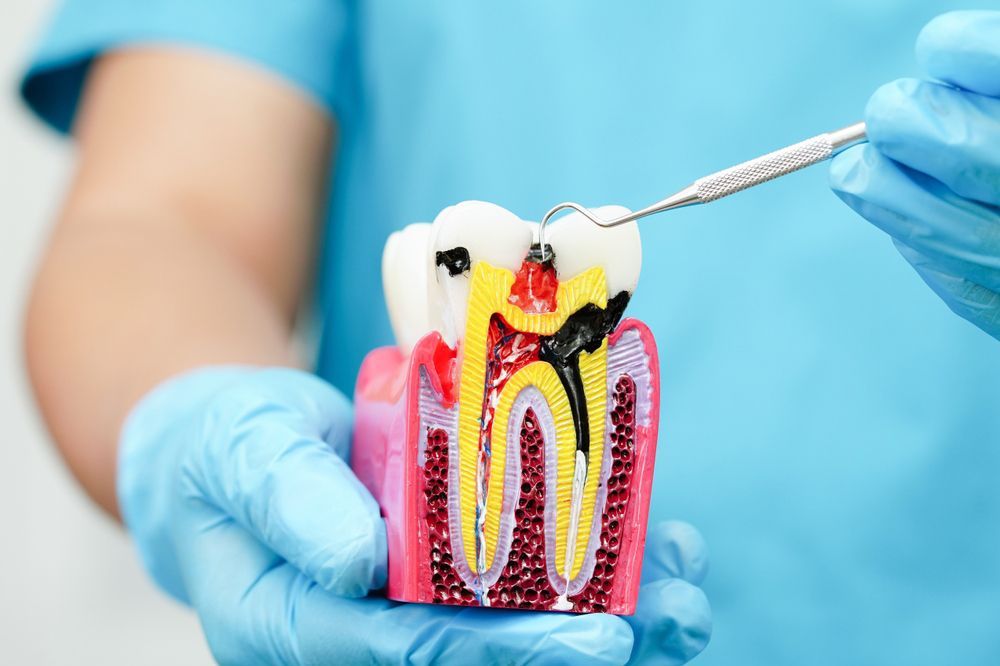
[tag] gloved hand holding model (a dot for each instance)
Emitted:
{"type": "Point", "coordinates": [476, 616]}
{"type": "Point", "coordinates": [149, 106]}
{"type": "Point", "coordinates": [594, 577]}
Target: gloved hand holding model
{"type": "Point", "coordinates": [930, 177]}
{"type": "Point", "coordinates": [233, 483]}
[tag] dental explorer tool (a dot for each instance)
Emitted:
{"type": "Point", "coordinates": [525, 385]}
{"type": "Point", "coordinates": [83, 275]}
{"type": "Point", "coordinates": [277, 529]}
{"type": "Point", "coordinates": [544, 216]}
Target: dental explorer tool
{"type": "Point", "coordinates": [734, 179]}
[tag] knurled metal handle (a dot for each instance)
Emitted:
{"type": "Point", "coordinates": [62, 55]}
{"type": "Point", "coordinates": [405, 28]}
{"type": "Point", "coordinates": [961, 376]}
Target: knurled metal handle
{"type": "Point", "coordinates": [762, 169]}
{"type": "Point", "coordinates": [734, 179]}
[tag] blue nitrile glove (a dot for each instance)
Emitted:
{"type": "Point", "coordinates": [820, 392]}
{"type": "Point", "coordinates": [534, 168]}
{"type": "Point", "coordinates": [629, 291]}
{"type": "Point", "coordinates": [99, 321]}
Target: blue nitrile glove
{"type": "Point", "coordinates": [673, 621]}
{"type": "Point", "coordinates": [930, 177]}
{"type": "Point", "coordinates": [233, 484]}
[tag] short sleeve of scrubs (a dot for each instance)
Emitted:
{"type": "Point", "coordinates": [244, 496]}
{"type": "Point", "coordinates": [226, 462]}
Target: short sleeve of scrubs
{"type": "Point", "coordinates": [300, 40]}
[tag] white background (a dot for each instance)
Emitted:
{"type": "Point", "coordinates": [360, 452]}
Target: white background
{"type": "Point", "coordinates": [71, 588]}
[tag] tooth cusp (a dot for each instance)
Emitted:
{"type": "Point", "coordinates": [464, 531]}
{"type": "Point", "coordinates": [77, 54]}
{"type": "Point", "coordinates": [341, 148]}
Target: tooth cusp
{"type": "Point", "coordinates": [406, 275]}
{"type": "Point", "coordinates": [461, 237]}
{"type": "Point", "coordinates": [580, 244]}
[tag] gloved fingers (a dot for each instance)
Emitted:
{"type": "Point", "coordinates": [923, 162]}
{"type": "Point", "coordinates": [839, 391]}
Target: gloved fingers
{"type": "Point", "coordinates": [960, 235]}
{"type": "Point", "coordinates": [949, 134]}
{"type": "Point", "coordinates": [244, 593]}
{"type": "Point", "coordinates": [963, 48]}
{"type": "Point", "coordinates": [153, 437]}
{"type": "Point", "coordinates": [672, 623]}
{"type": "Point", "coordinates": [315, 405]}
{"type": "Point", "coordinates": [967, 299]}
{"type": "Point", "coordinates": [258, 609]}
{"type": "Point", "coordinates": [376, 631]}
{"type": "Point", "coordinates": [675, 549]}
{"type": "Point", "coordinates": [268, 464]}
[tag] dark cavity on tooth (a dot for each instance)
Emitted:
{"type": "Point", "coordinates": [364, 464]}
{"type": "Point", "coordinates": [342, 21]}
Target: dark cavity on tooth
{"type": "Point", "coordinates": [584, 330]}
{"type": "Point", "coordinates": [456, 260]}
{"type": "Point", "coordinates": [535, 255]}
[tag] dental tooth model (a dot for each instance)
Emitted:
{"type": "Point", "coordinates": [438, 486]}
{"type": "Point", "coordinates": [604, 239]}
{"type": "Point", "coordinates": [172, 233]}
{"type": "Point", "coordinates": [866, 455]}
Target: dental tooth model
{"type": "Point", "coordinates": [510, 436]}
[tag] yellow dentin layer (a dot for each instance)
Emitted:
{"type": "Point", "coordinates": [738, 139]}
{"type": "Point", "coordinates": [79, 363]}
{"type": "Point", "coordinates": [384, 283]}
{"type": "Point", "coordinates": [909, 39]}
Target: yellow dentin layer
{"type": "Point", "coordinates": [488, 295]}
{"type": "Point", "coordinates": [544, 378]}
{"type": "Point", "coordinates": [594, 370]}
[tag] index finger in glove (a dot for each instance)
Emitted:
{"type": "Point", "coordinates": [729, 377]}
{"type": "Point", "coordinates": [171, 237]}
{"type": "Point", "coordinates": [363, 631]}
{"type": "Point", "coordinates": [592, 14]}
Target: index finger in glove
{"type": "Point", "coordinates": [269, 461]}
{"type": "Point", "coordinates": [963, 48]}
{"type": "Point", "coordinates": [969, 300]}
{"type": "Point", "coordinates": [917, 210]}
{"type": "Point", "coordinates": [673, 621]}
{"type": "Point", "coordinates": [257, 609]}
{"type": "Point", "coordinates": [377, 631]}
{"type": "Point", "coordinates": [675, 549]}
{"type": "Point", "coordinates": [946, 133]}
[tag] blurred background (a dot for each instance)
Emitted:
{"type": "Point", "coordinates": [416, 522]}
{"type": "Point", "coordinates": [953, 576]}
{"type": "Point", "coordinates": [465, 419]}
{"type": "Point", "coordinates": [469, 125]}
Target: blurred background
{"type": "Point", "coordinates": [71, 589]}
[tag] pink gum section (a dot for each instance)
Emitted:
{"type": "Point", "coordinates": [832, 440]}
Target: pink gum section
{"type": "Point", "coordinates": [625, 592]}
{"type": "Point", "coordinates": [384, 452]}
{"type": "Point", "coordinates": [385, 458]}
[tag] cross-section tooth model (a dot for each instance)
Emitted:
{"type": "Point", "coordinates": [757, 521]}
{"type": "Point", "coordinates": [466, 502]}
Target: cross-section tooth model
{"type": "Point", "coordinates": [510, 435]}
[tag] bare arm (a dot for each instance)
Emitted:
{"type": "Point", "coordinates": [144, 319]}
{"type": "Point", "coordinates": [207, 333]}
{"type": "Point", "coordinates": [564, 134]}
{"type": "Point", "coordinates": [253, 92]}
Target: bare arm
{"type": "Point", "coordinates": [185, 240]}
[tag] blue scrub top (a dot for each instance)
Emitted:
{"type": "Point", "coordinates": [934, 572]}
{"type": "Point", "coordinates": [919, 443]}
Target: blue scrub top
{"type": "Point", "coordinates": [827, 423]}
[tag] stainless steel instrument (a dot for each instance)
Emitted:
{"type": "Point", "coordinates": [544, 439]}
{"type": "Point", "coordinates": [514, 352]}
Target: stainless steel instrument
{"type": "Point", "coordinates": [734, 179]}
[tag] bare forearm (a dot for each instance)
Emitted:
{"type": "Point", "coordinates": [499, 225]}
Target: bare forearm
{"type": "Point", "coordinates": [120, 306]}
{"type": "Point", "coordinates": [185, 240]}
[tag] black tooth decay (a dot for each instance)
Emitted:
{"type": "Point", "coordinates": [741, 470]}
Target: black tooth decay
{"type": "Point", "coordinates": [535, 255]}
{"type": "Point", "coordinates": [456, 260]}
{"type": "Point", "coordinates": [584, 330]}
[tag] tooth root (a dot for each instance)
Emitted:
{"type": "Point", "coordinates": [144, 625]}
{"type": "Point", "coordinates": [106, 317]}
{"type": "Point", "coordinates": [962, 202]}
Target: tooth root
{"type": "Point", "coordinates": [406, 273]}
{"type": "Point", "coordinates": [463, 236]}
{"type": "Point", "coordinates": [488, 233]}
{"type": "Point", "coordinates": [593, 369]}
{"type": "Point", "coordinates": [580, 244]}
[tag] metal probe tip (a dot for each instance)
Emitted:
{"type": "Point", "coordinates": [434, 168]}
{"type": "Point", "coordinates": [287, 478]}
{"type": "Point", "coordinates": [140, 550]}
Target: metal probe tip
{"type": "Point", "coordinates": [732, 180]}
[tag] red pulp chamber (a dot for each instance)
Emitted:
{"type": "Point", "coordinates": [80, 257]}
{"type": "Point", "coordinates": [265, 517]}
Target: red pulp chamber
{"type": "Point", "coordinates": [534, 288]}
